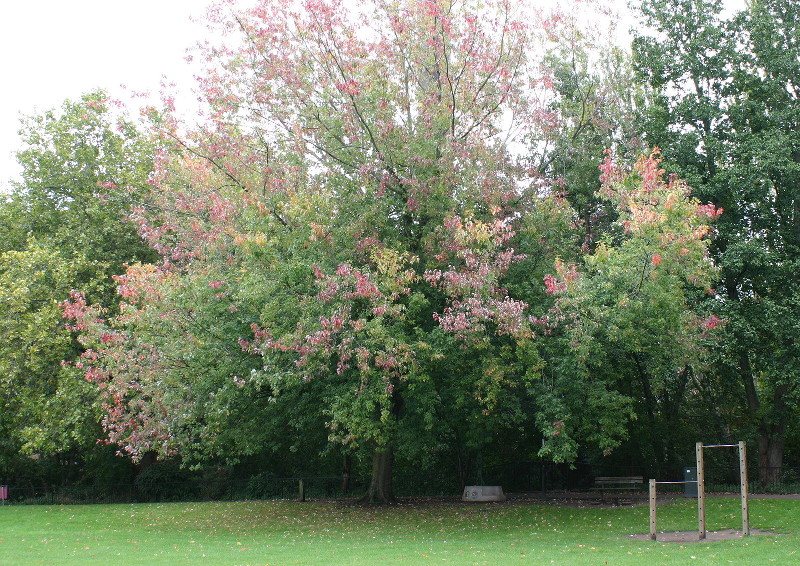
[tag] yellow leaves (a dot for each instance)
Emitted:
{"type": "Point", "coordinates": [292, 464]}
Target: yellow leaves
{"type": "Point", "coordinates": [262, 208]}
{"type": "Point", "coordinates": [645, 213]}
{"type": "Point", "coordinates": [477, 231]}
{"type": "Point", "coordinates": [390, 262]}
{"type": "Point", "coordinates": [649, 203]}
{"type": "Point", "coordinates": [701, 231]}
{"type": "Point", "coordinates": [477, 234]}
{"type": "Point", "coordinates": [319, 232]}
{"type": "Point", "coordinates": [395, 273]}
{"type": "Point", "coordinates": [256, 238]}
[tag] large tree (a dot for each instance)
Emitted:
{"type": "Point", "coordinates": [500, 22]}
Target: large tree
{"type": "Point", "coordinates": [726, 113]}
{"type": "Point", "coordinates": [352, 240]}
{"type": "Point", "coordinates": [353, 215]}
{"type": "Point", "coordinates": [629, 311]}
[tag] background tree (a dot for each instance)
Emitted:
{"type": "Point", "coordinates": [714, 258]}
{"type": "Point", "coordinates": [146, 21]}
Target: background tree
{"type": "Point", "coordinates": [63, 228]}
{"type": "Point", "coordinates": [630, 317]}
{"type": "Point", "coordinates": [83, 166]}
{"type": "Point", "coordinates": [726, 114]}
{"type": "Point", "coordinates": [594, 107]}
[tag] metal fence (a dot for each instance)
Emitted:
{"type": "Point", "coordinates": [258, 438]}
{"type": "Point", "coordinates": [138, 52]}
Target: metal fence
{"type": "Point", "coordinates": [217, 490]}
{"type": "Point", "coordinates": [514, 478]}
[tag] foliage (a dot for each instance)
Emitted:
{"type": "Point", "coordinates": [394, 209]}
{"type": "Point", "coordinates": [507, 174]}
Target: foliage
{"type": "Point", "coordinates": [59, 233]}
{"type": "Point", "coordinates": [628, 317]}
{"type": "Point", "coordinates": [36, 386]}
{"type": "Point", "coordinates": [352, 254]}
{"type": "Point", "coordinates": [594, 107]}
{"type": "Point", "coordinates": [345, 233]}
{"type": "Point", "coordinates": [165, 481]}
{"type": "Point", "coordinates": [726, 112]}
{"type": "Point", "coordinates": [82, 166]}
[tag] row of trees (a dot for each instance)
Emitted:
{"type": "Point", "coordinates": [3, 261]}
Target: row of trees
{"type": "Point", "coordinates": [726, 107]}
{"type": "Point", "coordinates": [395, 240]}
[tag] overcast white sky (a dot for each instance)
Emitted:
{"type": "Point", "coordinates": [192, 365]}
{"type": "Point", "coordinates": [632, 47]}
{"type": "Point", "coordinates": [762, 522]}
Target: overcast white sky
{"type": "Point", "coordinates": [58, 49]}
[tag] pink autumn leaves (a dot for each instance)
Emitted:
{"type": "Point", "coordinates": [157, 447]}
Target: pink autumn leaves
{"type": "Point", "coordinates": [657, 250]}
{"type": "Point", "coordinates": [123, 369]}
{"type": "Point", "coordinates": [644, 199]}
{"type": "Point", "coordinates": [359, 302]}
{"type": "Point", "coordinates": [475, 256]}
{"type": "Point", "coordinates": [479, 260]}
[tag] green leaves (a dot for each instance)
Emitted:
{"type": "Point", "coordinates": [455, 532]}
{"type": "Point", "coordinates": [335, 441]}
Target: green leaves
{"type": "Point", "coordinates": [63, 228]}
{"type": "Point", "coordinates": [628, 318]}
{"type": "Point", "coordinates": [34, 386]}
{"type": "Point", "coordinates": [727, 114]}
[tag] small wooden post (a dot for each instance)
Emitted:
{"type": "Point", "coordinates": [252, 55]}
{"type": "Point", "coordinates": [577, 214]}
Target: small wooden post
{"type": "Point", "coordinates": [652, 509]}
{"type": "Point", "coordinates": [302, 489]}
{"type": "Point", "coordinates": [743, 481]}
{"type": "Point", "coordinates": [701, 492]}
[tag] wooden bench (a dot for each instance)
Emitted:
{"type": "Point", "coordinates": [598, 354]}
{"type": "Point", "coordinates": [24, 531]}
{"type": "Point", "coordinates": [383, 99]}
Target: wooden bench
{"type": "Point", "coordinates": [617, 485]}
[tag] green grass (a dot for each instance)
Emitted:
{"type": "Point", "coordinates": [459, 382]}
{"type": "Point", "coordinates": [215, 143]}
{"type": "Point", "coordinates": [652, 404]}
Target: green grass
{"type": "Point", "coordinates": [279, 533]}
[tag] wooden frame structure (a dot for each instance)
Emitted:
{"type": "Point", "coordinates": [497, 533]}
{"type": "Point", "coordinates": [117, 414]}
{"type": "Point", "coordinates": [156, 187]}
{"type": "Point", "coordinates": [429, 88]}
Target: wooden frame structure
{"type": "Point", "coordinates": [701, 491]}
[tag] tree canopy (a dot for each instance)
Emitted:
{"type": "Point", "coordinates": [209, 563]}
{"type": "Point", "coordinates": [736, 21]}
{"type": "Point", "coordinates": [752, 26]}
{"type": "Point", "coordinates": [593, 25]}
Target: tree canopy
{"type": "Point", "coordinates": [63, 228]}
{"type": "Point", "coordinates": [404, 233]}
{"type": "Point", "coordinates": [725, 110]}
{"type": "Point", "coordinates": [354, 226]}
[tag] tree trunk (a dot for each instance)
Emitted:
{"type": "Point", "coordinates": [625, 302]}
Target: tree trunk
{"type": "Point", "coordinates": [347, 465]}
{"type": "Point", "coordinates": [464, 467]}
{"type": "Point", "coordinates": [655, 433]}
{"type": "Point", "coordinates": [147, 460]}
{"type": "Point", "coordinates": [770, 456]}
{"type": "Point", "coordinates": [674, 396]}
{"type": "Point", "coordinates": [380, 486]}
{"type": "Point", "coordinates": [771, 435]}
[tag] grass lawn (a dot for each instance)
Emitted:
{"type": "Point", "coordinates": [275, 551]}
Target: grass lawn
{"type": "Point", "coordinates": [331, 533]}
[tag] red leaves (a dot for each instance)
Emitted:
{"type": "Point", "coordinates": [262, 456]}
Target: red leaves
{"type": "Point", "coordinates": [75, 309]}
{"type": "Point", "coordinates": [610, 173]}
{"type": "Point", "coordinates": [552, 285]}
{"type": "Point", "coordinates": [648, 204]}
{"type": "Point", "coordinates": [565, 275]}
{"type": "Point", "coordinates": [348, 284]}
{"type": "Point", "coordinates": [709, 210]}
{"type": "Point", "coordinates": [140, 281]}
{"type": "Point", "coordinates": [472, 279]}
{"type": "Point", "coordinates": [350, 87]}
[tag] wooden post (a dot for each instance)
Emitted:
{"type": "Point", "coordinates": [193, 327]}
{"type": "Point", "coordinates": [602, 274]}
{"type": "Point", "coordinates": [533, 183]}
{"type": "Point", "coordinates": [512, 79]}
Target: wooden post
{"type": "Point", "coordinates": [743, 481]}
{"type": "Point", "coordinates": [701, 493]}
{"type": "Point", "coordinates": [302, 489]}
{"type": "Point", "coordinates": [652, 509]}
